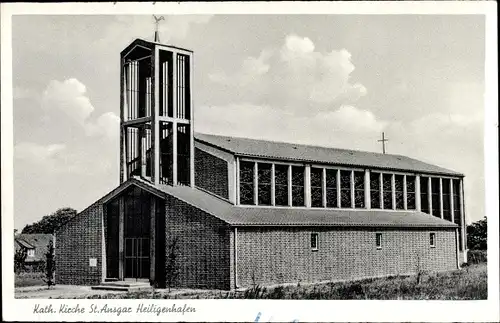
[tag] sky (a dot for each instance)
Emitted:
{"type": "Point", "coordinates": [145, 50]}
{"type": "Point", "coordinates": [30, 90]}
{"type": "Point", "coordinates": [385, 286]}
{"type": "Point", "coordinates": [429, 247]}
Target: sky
{"type": "Point", "coordinates": [329, 80]}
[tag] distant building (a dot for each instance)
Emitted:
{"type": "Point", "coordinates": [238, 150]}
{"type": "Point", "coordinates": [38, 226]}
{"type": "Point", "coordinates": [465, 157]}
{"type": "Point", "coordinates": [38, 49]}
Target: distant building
{"type": "Point", "coordinates": [249, 211]}
{"type": "Point", "coordinates": [36, 246]}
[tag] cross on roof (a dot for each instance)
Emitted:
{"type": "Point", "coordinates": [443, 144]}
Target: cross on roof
{"type": "Point", "coordinates": [383, 140]}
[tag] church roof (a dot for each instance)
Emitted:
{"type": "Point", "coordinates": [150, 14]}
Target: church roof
{"type": "Point", "coordinates": [287, 216]}
{"type": "Point", "coordinates": [305, 153]}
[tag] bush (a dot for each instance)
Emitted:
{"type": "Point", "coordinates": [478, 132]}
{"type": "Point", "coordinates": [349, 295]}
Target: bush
{"type": "Point", "coordinates": [255, 292]}
{"type": "Point", "coordinates": [172, 268]}
{"type": "Point", "coordinates": [19, 258]}
{"type": "Point", "coordinates": [49, 265]}
{"type": "Point", "coordinates": [476, 256]}
{"type": "Point", "coordinates": [477, 235]}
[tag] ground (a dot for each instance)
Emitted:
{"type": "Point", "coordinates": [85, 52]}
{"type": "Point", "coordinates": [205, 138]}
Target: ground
{"type": "Point", "coordinates": [29, 279]}
{"type": "Point", "coordinates": [468, 283]}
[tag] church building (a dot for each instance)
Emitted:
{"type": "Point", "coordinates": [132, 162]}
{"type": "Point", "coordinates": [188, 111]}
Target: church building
{"type": "Point", "coordinates": [229, 212]}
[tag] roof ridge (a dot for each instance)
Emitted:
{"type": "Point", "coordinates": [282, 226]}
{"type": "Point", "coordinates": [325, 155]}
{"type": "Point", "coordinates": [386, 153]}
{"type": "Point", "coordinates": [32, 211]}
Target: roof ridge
{"type": "Point", "coordinates": [298, 144]}
{"type": "Point", "coordinates": [371, 158]}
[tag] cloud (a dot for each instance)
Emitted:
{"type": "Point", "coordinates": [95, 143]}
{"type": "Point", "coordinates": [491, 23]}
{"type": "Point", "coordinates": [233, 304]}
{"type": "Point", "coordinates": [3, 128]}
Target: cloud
{"type": "Point", "coordinates": [295, 77]}
{"type": "Point", "coordinates": [70, 97]}
{"type": "Point", "coordinates": [108, 125]}
{"type": "Point", "coordinates": [36, 152]}
{"type": "Point", "coordinates": [296, 44]}
{"type": "Point", "coordinates": [24, 93]}
{"type": "Point", "coordinates": [328, 128]}
{"type": "Point", "coordinates": [48, 157]}
{"type": "Point", "coordinates": [351, 119]}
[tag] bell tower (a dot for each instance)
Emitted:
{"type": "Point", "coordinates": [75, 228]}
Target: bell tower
{"type": "Point", "coordinates": [156, 113]}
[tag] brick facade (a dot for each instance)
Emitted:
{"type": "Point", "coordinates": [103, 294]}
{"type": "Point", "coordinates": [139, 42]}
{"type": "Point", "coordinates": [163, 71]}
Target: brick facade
{"type": "Point", "coordinates": [211, 173]}
{"type": "Point", "coordinates": [76, 242]}
{"type": "Point", "coordinates": [204, 246]}
{"type": "Point", "coordinates": [212, 255]}
{"type": "Point", "coordinates": [284, 255]}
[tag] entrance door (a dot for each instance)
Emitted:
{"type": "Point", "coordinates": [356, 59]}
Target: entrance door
{"type": "Point", "coordinates": [136, 258]}
{"type": "Point", "coordinates": [137, 216]}
{"type": "Point", "coordinates": [132, 223]}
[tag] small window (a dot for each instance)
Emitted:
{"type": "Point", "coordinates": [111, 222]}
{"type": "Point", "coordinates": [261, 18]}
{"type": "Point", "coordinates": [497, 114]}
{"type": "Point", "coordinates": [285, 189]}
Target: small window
{"type": "Point", "coordinates": [378, 242]}
{"type": "Point", "coordinates": [314, 241]}
{"type": "Point", "coordinates": [432, 239]}
{"type": "Point", "coordinates": [31, 252]}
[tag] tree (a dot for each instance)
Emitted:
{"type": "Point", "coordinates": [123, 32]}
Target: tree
{"type": "Point", "coordinates": [49, 223]}
{"type": "Point", "coordinates": [477, 233]}
{"type": "Point", "coordinates": [19, 258]}
{"type": "Point", "coordinates": [172, 268]}
{"type": "Point", "coordinates": [49, 265]}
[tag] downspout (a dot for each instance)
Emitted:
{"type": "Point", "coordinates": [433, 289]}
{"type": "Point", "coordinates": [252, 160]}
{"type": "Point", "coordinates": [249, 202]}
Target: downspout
{"type": "Point", "coordinates": [457, 248]}
{"type": "Point", "coordinates": [235, 247]}
{"type": "Point", "coordinates": [55, 251]}
{"type": "Point", "coordinates": [104, 272]}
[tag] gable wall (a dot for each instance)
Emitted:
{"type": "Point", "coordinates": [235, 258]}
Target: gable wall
{"type": "Point", "coordinates": [204, 246]}
{"type": "Point", "coordinates": [76, 242]}
{"type": "Point", "coordinates": [215, 171]}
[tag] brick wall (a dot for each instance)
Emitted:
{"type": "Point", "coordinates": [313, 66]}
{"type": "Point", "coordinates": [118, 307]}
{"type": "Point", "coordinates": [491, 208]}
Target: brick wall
{"type": "Point", "coordinates": [211, 173]}
{"type": "Point", "coordinates": [279, 255]}
{"type": "Point", "coordinates": [76, 242]}
{"type": "Point", "coordinates": [204, 246]}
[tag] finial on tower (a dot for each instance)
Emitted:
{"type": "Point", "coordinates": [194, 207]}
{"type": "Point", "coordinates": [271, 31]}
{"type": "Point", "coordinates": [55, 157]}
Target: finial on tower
{"type": "Point", "coordinates": [157, 22]}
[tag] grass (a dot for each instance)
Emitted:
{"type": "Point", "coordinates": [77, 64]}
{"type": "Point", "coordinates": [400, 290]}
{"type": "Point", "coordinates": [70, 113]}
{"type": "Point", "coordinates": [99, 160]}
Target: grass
{"type": "Point", "coordinates": [29, 279]}
{"type": "Point", "coordinates": [468, 283]}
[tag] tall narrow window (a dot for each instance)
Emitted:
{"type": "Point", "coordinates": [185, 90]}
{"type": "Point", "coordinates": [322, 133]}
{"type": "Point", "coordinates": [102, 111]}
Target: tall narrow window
{"type": "Point", "coordinates": [281, 185]}
{"type": "Point", "coordinates": [375, 190]}
{"type": "Point", "coordinates": [436, 207]}
{"type": "Point", "coordinates": [456, 210]}
{"type": "Point", "coordinates": [246, 182]}
{"type": "Point", "coordinates": [410, 193]}
{"type": "Point", "coordinates": [264, 183]}
{"type": "Point", "coordinates": [432, 239]}
{"type": "Point", "coordinates": [147, 150]}
{"type": "Point", "coordinates": [424, 194]}
{"type": "Point", "coordinates": [446, 199]}
{"type": "Point", "coordinates": [137, 91]}
{"type": "Point", "coordinates": [399, 191]}
{"type": "Point", "coordinates": [359, 189]}
{"type": "Point", "coordinates": [133, 152]}
{"type": "Point", "coordinates": [314, 241]}
{"type": "Point", "coordinates": [166, 150]}
{"type": "Point", "coordinates": [165, 84]}
{"type": "Point", "coordinates": [183, 154]}
{"type": "Point", "coordinates": [378, 240]}
{"type": "Point", "coordinates": [297, 185]}
{"type": "Point", "coordinates": [331, 188]}
{"type": "Point", "coordinates": [183, 98]}
{"type": "Point", "coordinates": [345, 188]}
{"type": "Point", "coordinates": [316, 187]}
{"type": "Point", "coordinates": [387, 183]}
